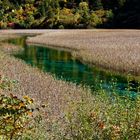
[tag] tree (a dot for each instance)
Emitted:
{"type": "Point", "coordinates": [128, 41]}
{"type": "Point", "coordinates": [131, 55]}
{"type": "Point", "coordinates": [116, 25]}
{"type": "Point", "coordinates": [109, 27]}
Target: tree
{"type": "Point", "coordinates": [84, 12]}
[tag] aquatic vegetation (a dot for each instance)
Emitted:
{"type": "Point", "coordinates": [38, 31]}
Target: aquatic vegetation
{"type": "Point", "coordinates": [103, 118]}
{"type": "Point", "coordinates": [63, 65]}
{"type": "Point", "coordinates": [70, 111]}
{"type": "Point", "coordinates": [114, 50]}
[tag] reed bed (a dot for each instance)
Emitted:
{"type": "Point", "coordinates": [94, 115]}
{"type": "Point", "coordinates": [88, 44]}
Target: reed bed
{"type": "Point", "coordinates": [42, 87]}
{"type": "Point", "coordinates": [117, 50]}
{"type": "Point", "coordinates": [70, 111]}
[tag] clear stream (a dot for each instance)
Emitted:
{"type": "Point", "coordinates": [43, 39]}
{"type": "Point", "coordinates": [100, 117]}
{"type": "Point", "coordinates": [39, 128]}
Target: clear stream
{"type": "Point", "coordinates": [64, 66]}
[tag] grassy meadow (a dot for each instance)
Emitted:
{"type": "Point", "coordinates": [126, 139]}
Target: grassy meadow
{"type": "Point", "coordinates": [36, 106]}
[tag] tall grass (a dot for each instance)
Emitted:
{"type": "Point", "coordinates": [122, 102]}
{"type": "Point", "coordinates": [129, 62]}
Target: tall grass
{"type": "Point", "coordinates": [102, 118]}
{"type": "Point", "coordinates": [72, 113]}
{"type": "Point", "coordinates": [98, 117]}
{"type": "Point", "coordinates": [111, 49]}
{"type": "Point", "coordinates": [19, 119]}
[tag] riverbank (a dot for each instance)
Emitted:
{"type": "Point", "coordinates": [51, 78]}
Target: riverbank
{"type": "Point", "coordinates": [39, 85]}
{"type": "Point", "coordinates": [43, 88]}
{"type": "Point", "coordinates": [71, 111]}
{"type": "Point", "coordinates": [56, 96]}
{"type": "Point", "coordinates": [116, 50]}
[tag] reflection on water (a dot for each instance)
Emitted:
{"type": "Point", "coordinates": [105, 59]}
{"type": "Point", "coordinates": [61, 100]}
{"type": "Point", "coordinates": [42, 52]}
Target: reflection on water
{"type": "Point", "coordinates": [64, 66]}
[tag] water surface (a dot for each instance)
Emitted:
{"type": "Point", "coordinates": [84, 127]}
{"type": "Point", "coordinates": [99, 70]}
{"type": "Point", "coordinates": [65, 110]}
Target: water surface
{"type": "Point", "coordinates": [64, 66]}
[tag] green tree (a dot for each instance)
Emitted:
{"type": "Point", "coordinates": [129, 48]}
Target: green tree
{"type": "Point", "coordinates": [84, 12]}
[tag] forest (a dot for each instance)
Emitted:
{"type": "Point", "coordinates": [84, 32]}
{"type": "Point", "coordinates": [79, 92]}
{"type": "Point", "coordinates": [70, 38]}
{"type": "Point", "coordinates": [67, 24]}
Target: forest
{"type": "Point", "coordinates": [69, 14]}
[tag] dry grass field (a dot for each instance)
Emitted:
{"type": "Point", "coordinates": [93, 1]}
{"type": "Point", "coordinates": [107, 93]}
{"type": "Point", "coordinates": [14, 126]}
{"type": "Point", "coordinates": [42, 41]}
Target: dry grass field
{"type": "Point", "coordinates": [72, 112]}
{"type": "Point", "coordinates": [117, 50]}
{"type": "Point", "coordinates": [43, 88]}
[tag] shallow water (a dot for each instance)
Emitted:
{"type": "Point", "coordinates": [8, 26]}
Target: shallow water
{"type": "Point", "coordinates": [64, 66]}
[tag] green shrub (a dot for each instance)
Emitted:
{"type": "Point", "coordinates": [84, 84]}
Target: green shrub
{"type": "Point", "coordinates": [109, 15]}
{"type": "Point", "coordinates": [84, 12]}
{"type": "Point", "coordinates": [14, 116]}
{"type": "Point", "coordinates": [61, 27]}
{"type": "Point", "coordinates": [18, 117]}
{"type": "Point", "coordinates": [95, 20]}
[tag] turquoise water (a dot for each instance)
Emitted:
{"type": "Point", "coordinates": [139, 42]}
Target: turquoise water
{"type": "Point", "coordinates": [64, 66]}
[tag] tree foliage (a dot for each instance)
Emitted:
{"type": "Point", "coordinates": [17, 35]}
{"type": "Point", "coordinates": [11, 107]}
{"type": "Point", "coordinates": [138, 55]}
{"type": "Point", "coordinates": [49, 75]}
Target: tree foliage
{"type": "Point", "coordinates": [69, 13]}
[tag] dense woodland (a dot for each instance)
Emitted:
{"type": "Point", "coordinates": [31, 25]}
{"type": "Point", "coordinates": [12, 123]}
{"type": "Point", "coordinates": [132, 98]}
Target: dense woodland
{"type": "Point", "coordinates": [53, 14]}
